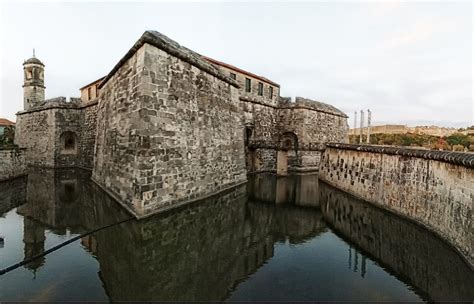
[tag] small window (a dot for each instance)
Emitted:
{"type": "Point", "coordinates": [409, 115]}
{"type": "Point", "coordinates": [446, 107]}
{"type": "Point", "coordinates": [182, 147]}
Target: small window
{"type": "Point", "coordinates": [260, 89]}
{"type": "Point", "coordinates": [233, 76]}
{"type": "Point", "coordinates": [69, 143]}
{"type": "Point", "coordinates": [89, 93]}
{"type": "Point", "coordinates": [97, 91]}
{"type": "Point", "coordinates": [248, 85]}
{"type": "Point", "coordinates": [29, 74]}
{"type": "Point", "coordinates": [270, 93]}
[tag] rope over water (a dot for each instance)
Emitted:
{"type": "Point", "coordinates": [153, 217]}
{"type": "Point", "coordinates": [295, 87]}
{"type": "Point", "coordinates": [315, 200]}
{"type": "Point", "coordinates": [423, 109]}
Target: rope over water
{"type": "Point", "coordinates": [24, 262]}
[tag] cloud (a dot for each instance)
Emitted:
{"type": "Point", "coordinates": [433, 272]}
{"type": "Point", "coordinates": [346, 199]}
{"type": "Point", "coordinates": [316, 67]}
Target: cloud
{"type": "Point", "coordinates": [418, 33]}
{"type": "Point", "coordinates": [381, 9]}
{"type": "Point", "coordinates": [421, 31]}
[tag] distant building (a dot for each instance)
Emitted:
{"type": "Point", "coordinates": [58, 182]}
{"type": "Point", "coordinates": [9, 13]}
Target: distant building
{"type": "Point", "coordinates": [403, 129]}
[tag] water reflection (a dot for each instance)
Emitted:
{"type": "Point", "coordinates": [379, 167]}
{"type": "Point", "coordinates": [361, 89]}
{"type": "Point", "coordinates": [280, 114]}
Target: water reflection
{"type": "Point", "coordinates": [274, 238]}
{"type": "Point", "coordinates": [404, 248]}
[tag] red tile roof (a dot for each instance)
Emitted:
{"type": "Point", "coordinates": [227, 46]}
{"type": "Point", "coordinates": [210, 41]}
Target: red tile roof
{"type": "Point", "coordinates": [231, 67]}
{"type": "Point", "coordinates": [6, 122]}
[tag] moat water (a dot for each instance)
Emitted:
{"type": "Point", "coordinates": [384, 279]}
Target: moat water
{"type": "Point", "coordinates": [274, 239]}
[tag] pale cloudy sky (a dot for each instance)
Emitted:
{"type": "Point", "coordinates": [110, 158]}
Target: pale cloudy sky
{"type": "Point", "coordinates": [409, 62]}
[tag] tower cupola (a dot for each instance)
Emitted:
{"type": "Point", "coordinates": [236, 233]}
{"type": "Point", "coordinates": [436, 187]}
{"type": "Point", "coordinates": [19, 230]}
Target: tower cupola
{"type": "Point", "coordinates": [33, 84]}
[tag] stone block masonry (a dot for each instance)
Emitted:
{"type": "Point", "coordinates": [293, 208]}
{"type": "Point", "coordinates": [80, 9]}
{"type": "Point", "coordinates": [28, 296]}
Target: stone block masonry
{"type": "Point", "coordinates": [433, 188]}
{"type": "Point", "coordinates": [58, 133]}
{"type": "Point", "coordinates": [169, 128]}
{"type": "Point", "coordinates": [12, 163]}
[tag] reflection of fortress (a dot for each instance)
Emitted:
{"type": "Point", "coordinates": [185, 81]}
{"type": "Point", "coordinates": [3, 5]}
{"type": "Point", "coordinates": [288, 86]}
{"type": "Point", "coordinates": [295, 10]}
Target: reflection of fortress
{"type": "Point", "coordinates": [217, 243]}
{"type": "Point", "coordinates": [59, 201]}
{"type": "Point", "coordinates": [203, 251]}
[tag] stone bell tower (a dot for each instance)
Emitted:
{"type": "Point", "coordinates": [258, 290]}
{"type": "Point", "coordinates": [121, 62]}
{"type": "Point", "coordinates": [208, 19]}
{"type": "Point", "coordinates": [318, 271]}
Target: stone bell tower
{"type": "Point", "coordinates": [33, 85]}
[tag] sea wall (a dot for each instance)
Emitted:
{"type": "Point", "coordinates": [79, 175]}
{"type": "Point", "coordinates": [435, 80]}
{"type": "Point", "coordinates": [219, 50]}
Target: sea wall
{"type": "Point", "coordinates": [433, 188]}
{"type": "Point", "coordinates": [12, 163]}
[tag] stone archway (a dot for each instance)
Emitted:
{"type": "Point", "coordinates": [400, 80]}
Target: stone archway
{"type": "Point", "coordinates": [249, 150]}
{"type": "Point", "coordinates": [287, 152]}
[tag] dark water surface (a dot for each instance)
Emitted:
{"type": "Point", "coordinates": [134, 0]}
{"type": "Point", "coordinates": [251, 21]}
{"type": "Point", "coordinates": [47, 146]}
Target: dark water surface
{"type": "Point", "coordinates": [290, 238]}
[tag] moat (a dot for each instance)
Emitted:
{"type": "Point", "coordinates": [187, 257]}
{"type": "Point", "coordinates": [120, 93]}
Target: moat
{"type": "Point", "coordinates": [275, 239]}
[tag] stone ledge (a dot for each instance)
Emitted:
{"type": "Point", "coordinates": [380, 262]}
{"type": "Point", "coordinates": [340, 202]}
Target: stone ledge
{"type": "Point", "coordinates": [179, 204]}
{"type": "Point", "coordinates": [301, 103]}
{"type": "Point", "coordinates": [11, 148]}
{"type": "Point", "coordinates": [457, 158]}
{"type": "Point", "coordinates": [60, 103]}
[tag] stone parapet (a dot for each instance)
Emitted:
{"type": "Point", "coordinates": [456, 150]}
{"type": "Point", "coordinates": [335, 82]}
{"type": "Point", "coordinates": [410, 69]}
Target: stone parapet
{"type": "Point", "coordinates": [457, 158]}
{"type": "Point", "coordinates": [433, 188]}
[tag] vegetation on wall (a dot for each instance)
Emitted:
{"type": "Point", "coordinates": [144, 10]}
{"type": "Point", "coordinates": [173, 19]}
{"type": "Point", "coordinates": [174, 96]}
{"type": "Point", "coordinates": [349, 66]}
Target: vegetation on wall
{"type": "Point", "coordinates": [6, 139]}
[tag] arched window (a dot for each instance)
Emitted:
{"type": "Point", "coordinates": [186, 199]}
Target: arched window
{"type": "Point", "coordinates": [68, 142]}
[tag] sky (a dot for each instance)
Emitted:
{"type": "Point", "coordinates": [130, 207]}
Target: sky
{"type": "Point", "coordinates": [408, 62]}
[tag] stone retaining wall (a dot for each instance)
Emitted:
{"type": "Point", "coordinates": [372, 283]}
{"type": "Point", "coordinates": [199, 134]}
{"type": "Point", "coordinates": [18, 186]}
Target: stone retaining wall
{"type": "Point", "coordinates": [12, 163]}
{"type": "Point", "coordinates": [433, 188]}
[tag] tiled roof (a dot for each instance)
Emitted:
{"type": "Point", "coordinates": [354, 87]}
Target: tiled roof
{"type": "Point", "coordinates": [231, 67]}
{"type": "Point", "coordinates": [6, 122]}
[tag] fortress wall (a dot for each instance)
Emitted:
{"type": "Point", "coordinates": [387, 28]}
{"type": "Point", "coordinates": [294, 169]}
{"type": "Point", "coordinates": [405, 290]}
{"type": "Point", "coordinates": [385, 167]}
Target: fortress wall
{"type": "Point", "coordinates": [12, 163]}
{"type": "Point", "coordinates": [313, 129]}
{"type": "Point", "coordinates": [116, 141]}
{"type": "Point", "coordinates": [87, 136]}
{"type": "Point", "coordinates": [67, 120]}
{"type": "Point", "coordinates": [271, 126]}
{"type": "Point", "coordinates": [42, 131]}
{"type": "Point", "coordinates": [34, 131]}
{"type": "Point", "coordinates": [168, 133]}
{"type": "Point", "coordinates": [261, 147]}
{"type": "Point", "coordinates": [433, 188]}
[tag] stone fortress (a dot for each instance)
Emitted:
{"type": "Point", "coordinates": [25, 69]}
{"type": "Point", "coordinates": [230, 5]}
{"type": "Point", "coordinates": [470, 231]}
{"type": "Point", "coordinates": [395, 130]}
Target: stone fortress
{"type": "Point", "coordinates": [168, 126]}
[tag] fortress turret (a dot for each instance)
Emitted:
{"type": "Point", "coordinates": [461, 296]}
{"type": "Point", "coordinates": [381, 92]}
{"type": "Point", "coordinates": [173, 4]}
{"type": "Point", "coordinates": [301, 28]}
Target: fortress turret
{"type": "Point", "coordinates": [33, 85]}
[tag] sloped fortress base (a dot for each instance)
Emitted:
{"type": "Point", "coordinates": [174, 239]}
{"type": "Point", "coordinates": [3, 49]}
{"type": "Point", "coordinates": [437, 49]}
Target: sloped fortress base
{"type": "Point", "coordinates": [169, 128]}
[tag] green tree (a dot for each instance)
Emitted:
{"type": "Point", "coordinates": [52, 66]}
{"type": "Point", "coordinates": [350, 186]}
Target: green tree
{"type": "Point", "coordinates": [458, 139]}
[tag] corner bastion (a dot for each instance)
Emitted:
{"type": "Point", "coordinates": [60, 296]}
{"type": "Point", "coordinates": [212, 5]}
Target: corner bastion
{"type": "Point", "coordinates": [432, 188]}
{"type": "Point", "coordinates": [169, 128]}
